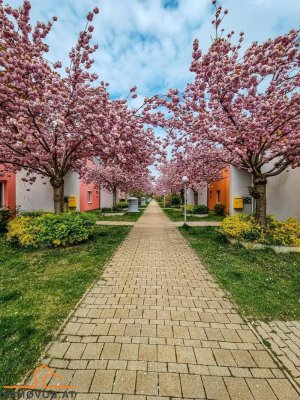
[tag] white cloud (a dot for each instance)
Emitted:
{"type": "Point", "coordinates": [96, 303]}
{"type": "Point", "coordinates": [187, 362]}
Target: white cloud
{"type": "Point", "coordinates": [144, 44]}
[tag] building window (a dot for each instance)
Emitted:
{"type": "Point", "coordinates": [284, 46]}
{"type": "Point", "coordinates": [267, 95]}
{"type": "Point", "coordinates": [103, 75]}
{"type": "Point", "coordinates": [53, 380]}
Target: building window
{"type": "Point", "coordinates": [89, 196]}
{"type": "Point", "coordinates": [218, 196]}
{"type": "Point", "coordinates": [1, 194]}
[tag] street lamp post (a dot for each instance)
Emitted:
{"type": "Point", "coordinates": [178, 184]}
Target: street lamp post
{"type": "Point", "coordinates": [185, 181]}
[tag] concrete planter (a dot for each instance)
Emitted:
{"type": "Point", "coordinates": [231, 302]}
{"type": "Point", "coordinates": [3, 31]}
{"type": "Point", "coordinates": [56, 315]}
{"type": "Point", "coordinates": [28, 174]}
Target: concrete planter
{"type": "Point", "coordinates": [259, 246]}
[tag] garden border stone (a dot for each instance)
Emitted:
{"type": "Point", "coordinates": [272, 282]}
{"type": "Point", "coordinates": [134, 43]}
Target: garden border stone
{"type": "Point", "coordinates": [260, 246]}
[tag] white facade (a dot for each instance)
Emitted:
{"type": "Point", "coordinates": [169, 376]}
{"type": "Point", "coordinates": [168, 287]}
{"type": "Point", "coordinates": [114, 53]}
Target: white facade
{"type": "Point", "coordinates": [107, 199]}
{"type": "Point", "coordinates": [72, 187]}
{"type": "Point", "coordinates": [196, 198]}
{"type": "Point", "coordinates": [239, 182]}
{"type": "Point", "coordinates": [283, 193]}
{"type": "Point", "coordinates": [38, 196]}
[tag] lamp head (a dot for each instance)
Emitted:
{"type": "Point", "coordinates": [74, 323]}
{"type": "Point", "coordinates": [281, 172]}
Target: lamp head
{"type": "Point", "coordinates": [185, 180]}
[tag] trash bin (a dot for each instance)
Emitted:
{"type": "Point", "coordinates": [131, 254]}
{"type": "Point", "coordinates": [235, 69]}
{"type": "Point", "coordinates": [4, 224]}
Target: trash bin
{"type": "Point", "coordinates": [133, 205]}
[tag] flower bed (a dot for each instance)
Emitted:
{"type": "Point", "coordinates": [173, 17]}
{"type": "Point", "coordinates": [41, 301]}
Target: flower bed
{"type": "Point", "coordinates": [280, 236]}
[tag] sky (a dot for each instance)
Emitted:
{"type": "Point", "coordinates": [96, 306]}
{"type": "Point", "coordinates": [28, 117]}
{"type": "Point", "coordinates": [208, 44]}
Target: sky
{"type": "Point", "coordinates": [148, 43]}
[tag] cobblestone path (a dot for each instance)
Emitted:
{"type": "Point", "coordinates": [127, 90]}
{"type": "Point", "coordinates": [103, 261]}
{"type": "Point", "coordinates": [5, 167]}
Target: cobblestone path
{"type": "Point", "coordinates": [157, 326]}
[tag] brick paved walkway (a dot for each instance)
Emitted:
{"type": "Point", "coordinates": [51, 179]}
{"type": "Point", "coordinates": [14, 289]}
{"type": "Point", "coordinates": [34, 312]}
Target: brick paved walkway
{"type": "Point", "coordinates": [115, 223]}
{"type": "Point", "coordinates": [157, 326]}
{"type": "Point", "coordinates": [284, 339]}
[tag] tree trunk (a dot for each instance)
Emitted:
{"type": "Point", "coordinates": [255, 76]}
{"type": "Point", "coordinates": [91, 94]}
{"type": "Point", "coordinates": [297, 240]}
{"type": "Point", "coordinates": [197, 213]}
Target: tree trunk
{"type": "Point", "coordinates": [114, 197]}
{"type": "Point", "coordinates": [58, 194]}
{"type": "Point", "coordinates": [260, 186]}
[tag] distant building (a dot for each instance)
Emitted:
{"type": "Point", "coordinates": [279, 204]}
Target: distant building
{"type": "Point", "coordinates": [16, 193]}
{"type": "Point", "coordinates": [195, 197]}
{"type": "Point", "coordinates": [283, 193]}
{"type": "Point", "coordinates": [7, 189]}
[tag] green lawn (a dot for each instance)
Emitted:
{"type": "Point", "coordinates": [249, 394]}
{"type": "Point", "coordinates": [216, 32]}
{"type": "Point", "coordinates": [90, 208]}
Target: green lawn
{"type": "Point", "coordinates": [176, 215]}
{"type": "Point", "coordinates": [128, 217]}
{"type": "Point", "coordinates": [263, 284]}
{"type": "Point", "coordinates": [37, 291]}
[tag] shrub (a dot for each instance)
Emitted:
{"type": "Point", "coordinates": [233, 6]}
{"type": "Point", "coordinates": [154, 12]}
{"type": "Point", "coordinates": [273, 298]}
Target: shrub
{"type": "Point", "coordinates": [201, 209]}
{"type": "Point", "coordinates": [121, 205]}
{"type": "Point", "coordinates": [238, 226]}
{"type": "Point", "coordinates": [4, 218]}
{"type": "Point", "coordinates": [19, 231]}
{"type": "Point", "coordinates": [219, 209]}
{"type": "Point", "coordinates": [189, 209]}
{"type": "Point", "coordinates": [287, 233]}
{"type": "Point", "coordinates": [106, 209]}
{"type": "Point", "coordinates": [173, 200]}
{"type": "Point", "coordinates": [35, 213]}
{"type": "Point", "coordinates": [51, 230]}
{"type": "Point", "coordinates": [243, 227]}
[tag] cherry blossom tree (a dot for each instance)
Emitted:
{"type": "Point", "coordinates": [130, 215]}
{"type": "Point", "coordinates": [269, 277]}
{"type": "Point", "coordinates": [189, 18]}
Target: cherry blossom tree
{"type": "Point", "coordinates": [244, 102]}
{"type": "Point", "coordinates": [168, 180]}
{"type": "Point", "coordinates": [199, 162]}
{"type": "Point", "coordinates": [51, 122]}
{"type": "Point", "coordinates": [48, 123]}
{"type": "Point", "coordinates": [118, 178]}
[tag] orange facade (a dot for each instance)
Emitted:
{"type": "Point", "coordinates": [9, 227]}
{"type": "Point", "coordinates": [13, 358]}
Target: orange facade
{"type": "Point", "coordinates": [7, 189]}
{"type": "Point", "coordinates": [218, 192]}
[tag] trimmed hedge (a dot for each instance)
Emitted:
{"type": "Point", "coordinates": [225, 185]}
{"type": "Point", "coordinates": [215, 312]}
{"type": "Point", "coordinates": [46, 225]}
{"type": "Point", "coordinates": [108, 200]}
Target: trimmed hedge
{"type": "Point", "coordinates": [121, 205]}
{"type": "Point", "coordinates": [201, 209]}
{"type": "Point", "coordinates": [50, 230]}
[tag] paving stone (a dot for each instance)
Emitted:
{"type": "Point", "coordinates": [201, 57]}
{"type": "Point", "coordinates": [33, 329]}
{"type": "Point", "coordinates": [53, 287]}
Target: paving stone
{"type": "Point", "coordinates": [166, 353]}
{"type": "Point", "coordinates": [124, 382]}
{"type": "Point", "coordinates": [224, 358]}
{"type": "Point", "coordinates": [103, 381]}
{"type": "Point", "coordinates": [215, 388]}
{"type": "Point", "coordinates": [283, 389]}
{"type": "Point", "coordinates": [111, 351]}
{"type": "Point", "coordinates": [192, 386]}
{"type": "Point", "coordinates": [204, 356]}
{"type": "Point", "coordinates": [157, 326]}
{"type": "Point", "coordinates": [185, 355]}
{"type": "Point", "coordinates": [169, 385]}
{"type": "Point", "coordinates": [260, 389]}
{"type": "Point", "coordinates": [86, 396]}
{"type": "Point", "coordinates": [148, 352]}
{"type": "Point", "coordinates": [92, 351]}
{"type": "Point", "coordinates": [82, 380]}
{"type": "Point", "coordinates": [58, 349]}
{"type": "Point", "coordinates": [75, 351]}
{"type": "Point", "coordinates": [129, 352]}
{"type": "Point", "coordinates": [157, 366]}
{"type": "Point", "coordinates": [147, 383]}
{"type": "Point", "coordinates": [243, 358]}
{"type": "Point", "coordinates": [238, 389]}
